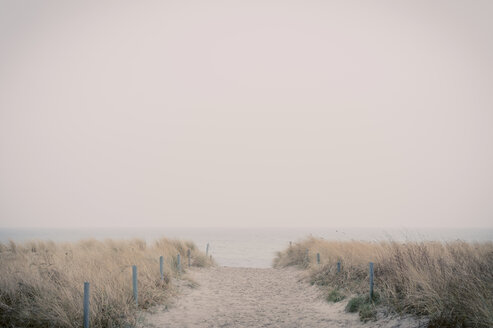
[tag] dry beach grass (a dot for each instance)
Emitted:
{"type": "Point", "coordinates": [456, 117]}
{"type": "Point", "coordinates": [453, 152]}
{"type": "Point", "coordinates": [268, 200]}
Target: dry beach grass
{"type": "Point", "coordinates": [41, 283]}
{"type": "Point", "coordinates": [451, 283]}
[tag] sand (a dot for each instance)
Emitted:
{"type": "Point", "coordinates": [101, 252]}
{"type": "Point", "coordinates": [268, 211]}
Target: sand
{"type": "Point", "coordinates": [252, 297]}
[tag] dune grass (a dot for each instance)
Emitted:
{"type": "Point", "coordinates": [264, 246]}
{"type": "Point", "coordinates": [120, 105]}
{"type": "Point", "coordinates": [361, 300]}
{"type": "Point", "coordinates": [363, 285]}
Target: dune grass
{"type": "Point", "coordinates": [450, 283]}
{"type": "Point", "coordinates": [41, 282]}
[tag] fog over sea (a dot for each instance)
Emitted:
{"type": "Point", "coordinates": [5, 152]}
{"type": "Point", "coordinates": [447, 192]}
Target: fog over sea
{"type": "Point", "coordinates": [248, 247]}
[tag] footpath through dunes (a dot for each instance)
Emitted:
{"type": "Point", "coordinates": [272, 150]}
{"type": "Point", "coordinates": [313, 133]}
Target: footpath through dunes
{"type": "Point", "coordinates": [254, 297]}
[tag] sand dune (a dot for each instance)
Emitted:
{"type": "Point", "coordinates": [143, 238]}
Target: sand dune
{"type": "Point", "coordinates": [251, 297]}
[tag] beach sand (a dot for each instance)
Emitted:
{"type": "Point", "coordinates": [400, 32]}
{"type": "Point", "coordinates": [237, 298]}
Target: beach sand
{"type": "Point", "coordinates": [252, 297]}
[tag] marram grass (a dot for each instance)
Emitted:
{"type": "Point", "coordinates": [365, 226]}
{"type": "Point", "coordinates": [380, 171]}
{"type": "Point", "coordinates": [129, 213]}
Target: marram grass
{"type": "Point", "coordinates": [451, 283]}
{"type": "Point", "coordinates": [41, 283]}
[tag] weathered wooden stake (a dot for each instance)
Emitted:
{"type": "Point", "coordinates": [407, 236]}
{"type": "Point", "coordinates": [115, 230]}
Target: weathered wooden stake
{"type": "Point", "coordinates": [318, 258]}
{"type": "Point", "coordinates": [338, 267]}
{"type": "Point", "coordinates": [207, 250]}
{"type": "Point", "coordinates": [189, 254]}
{"type": "Point", "coordinates": [178, 263]}
{"type": "Point", "coordinates": [161, 267]}
{"type": "Point", "coordinates": [371, 280]}
{"type": "Point", "coordinates": [86, 305]}
{"type": "Point", "coordinates": [134, 283]}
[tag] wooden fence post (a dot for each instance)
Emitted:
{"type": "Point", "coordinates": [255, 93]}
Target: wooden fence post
{"type": "Point", "coordinates": [86, 305]}
{"type": "Point", "coordinates": [134, 283]}
{"type": "Point", "coordinates": [371, 281]}
{"type": "Point", "coordinates": [207, 250]}
{"type": "Point", "coordinates": [189, 254]}
{"type": "Point", "coordinates": [178, 263]}
{"type": "Point", "coordinates": [338, 267]}
{"type": "Point", "coordinates": [318, 258]}
{"type": "Point", "coordinates": [161, 267]}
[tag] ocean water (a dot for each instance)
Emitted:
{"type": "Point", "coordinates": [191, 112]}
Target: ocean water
{"type": "Point", "coordinates": [252, 247]}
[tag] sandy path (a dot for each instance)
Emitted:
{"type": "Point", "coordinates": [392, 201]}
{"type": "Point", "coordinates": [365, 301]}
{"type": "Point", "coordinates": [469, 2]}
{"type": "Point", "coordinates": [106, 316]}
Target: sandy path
{"type": "Point", "coordinates": [251, 297]}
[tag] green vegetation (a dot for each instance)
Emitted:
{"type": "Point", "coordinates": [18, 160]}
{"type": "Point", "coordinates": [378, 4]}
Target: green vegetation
{"type": "Point", "coordinates": [364, 306]}
{"type": "Point", "coordinates": [335, 296]}
{"type": "Point", "coordinates": [354, 304]}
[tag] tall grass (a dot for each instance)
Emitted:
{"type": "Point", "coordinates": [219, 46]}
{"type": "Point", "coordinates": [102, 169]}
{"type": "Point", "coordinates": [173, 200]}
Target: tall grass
{"type": "Point", "coordinates": [41, 282]}
{"type": "Point", "coordinates": [450, 283]}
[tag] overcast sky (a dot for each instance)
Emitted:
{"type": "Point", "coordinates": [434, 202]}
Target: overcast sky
{"type": "Point", "coordinates": [246, 113]}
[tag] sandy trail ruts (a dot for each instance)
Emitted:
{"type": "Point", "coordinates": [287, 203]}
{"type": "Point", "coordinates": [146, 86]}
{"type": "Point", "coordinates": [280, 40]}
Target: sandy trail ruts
{"type": "Point", "coordinates": [252, 297]}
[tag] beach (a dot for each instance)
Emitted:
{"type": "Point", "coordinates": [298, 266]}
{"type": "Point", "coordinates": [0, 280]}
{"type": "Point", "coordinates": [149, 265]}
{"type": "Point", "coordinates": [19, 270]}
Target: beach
{"type": "Point", "coordinates": [255, 297]}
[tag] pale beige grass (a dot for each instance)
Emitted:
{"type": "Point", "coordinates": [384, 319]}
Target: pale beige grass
{"type": "Point", "coordinates": [41, 282]}
{"type": "Point", "coordinates": [451, 283]}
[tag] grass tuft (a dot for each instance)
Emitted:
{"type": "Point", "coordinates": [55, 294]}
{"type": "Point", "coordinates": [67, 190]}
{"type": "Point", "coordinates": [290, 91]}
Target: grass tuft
{"type": "Point", "coordinates": [354, 304]}
{"type": "Point", "coordinates": [367, 312]}
{"type": "Point", "coordinates": [335, 296]}
{"type": "Point", "coordinates": [364, 306]}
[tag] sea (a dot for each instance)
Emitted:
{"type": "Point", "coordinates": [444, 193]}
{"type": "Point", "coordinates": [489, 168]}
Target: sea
{"type": "Point", "coordinates": [245, 247]}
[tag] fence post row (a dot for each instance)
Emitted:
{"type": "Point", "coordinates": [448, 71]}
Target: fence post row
{"type": "Point", "coordinates": [371, 281]}
{"type": "Point", "coordinates": [134, 283]}
{"type": "Point", "coordinates": [86, 305]}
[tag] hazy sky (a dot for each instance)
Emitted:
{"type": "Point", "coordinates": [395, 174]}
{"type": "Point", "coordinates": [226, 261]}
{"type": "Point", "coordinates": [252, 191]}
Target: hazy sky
{"type": "Point", "coordinates": [246, 113]}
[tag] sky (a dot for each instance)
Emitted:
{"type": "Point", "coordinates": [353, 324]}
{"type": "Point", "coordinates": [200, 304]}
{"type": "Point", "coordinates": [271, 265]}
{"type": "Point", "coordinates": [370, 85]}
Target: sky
{"type": "Point", "coordinates": [246, 113]}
